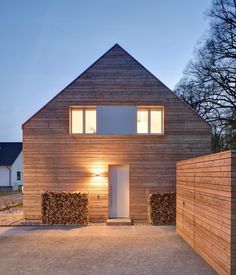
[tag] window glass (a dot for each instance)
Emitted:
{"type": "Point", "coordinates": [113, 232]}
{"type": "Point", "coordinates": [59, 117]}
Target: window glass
{"type": "Point", "coordinates": [150, 121]}
{"type": "Point", "coordinates": [142, 121]}
{"type": "Point", "coordinates": [156, 121]}
{"type": "Point", "coordinates": [18, 175]}
{"type": "Point", "coordinates": [90, 121]}
{"type": "Point", "coordinates": [77, 121]}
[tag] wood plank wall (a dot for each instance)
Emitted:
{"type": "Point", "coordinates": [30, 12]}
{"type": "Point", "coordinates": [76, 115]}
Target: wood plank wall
{"type": "Point", "coordinates": [206, 208]}
{"type": "Point", "coordinates": [233, 213]}
{"type": "Point", "coordinates": [56, 160]}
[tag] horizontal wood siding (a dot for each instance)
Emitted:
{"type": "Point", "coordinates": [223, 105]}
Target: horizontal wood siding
{"type": "Point", "coordinates": [55, 160]}
{"type": "Point", "coordinates": [206, 208]}
{"type": "Point", "coordinates": [233, 217]}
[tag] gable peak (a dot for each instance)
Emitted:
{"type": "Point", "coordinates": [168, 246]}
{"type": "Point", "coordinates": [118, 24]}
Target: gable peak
{"type": "Point", "coordinates": [116, 46]}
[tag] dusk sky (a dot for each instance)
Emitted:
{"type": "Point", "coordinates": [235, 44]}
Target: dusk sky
{"type": "Point", "coordinates": [46, 44]}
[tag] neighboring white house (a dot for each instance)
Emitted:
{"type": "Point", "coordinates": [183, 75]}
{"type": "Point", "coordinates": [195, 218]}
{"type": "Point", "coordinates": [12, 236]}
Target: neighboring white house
{"type": "Point", "coordinates": [10, 165]}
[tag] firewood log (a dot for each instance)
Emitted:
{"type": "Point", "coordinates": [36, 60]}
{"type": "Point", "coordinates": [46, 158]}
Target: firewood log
{"type": "Point", "coordinates": [162, 208]}
{"type": "Point", "coordinates": [64, 208]}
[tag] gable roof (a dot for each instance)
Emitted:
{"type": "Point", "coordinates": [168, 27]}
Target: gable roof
{"type": "Point", "coordinates": [9, 151]}
{"type": "Point", "coordinates": [114, 64]}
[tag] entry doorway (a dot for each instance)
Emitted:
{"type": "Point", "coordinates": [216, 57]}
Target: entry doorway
{"type": "Point", "coordinates": [119, 191]}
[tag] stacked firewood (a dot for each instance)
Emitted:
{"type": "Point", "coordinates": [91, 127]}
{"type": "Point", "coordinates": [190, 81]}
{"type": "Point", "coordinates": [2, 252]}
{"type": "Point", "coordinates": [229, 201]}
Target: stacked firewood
{"type": "Point", "coordinates": [162, 208]}
{"type": "Point", "coordinates": [64, 208]}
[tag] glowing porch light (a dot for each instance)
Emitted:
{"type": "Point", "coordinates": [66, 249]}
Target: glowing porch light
{"type": "Point", "coordinates": [98, 175]}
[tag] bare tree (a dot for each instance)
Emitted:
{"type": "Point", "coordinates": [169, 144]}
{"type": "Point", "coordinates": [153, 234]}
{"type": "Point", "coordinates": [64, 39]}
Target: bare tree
{"type": "Point", "coordinates": [209, 82]}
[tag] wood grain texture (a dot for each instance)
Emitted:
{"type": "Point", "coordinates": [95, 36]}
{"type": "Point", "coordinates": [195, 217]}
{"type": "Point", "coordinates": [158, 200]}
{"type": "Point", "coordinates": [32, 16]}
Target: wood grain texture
{"type": "Point", "coordinates": [206, 208]}
{"type": "Point", "coordinates": [54, 160]}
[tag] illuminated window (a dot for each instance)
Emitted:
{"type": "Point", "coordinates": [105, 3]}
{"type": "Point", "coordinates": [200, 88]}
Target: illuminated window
{"type": "Point", "coordinates": [150, 121]}
{"type": "Point", "coordinates": [77, 121]}
{"type": "Point", "coordinates": [83, 121]}
{"type": "Point", "coordinates": [142, 125]}
{"type": "Point", "coordinates": [156, 121]}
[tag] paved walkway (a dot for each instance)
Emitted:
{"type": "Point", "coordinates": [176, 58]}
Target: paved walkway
{"type": "Point", "coordinates": [97, 249]}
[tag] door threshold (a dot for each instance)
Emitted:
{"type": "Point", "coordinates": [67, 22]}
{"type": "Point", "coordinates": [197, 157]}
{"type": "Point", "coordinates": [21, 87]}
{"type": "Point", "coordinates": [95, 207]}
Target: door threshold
{"type": "Point", "coordinates": [119, 221]}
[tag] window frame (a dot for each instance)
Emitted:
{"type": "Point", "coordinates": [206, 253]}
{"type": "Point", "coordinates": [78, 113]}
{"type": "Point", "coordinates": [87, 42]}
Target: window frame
{"type": "Point", "coordinates": [149, 109]}
{"type": "Point", "coordinates": [83, 109]}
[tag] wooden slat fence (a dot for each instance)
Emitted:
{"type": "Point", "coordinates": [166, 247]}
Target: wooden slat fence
{"type": "Point", "coordinates": [206, 210]}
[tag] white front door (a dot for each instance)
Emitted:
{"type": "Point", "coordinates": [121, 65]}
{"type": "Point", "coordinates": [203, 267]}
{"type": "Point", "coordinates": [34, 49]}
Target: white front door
{"type": "Point", "coordinates": [119, 191]}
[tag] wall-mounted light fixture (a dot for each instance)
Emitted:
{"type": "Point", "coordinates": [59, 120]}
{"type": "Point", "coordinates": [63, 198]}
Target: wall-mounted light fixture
{"type": "Point", "coordinates": [98, 176]}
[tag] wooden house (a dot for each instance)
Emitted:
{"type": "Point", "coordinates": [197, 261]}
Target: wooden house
{"type": "Point", "coordinates": [115, 132]}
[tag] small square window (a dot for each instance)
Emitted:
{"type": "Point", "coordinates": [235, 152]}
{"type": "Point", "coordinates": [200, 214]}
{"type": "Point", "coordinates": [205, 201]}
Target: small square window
{"type": "Point", "coordinates": [83, 121]}
{"type": "Point", "coordinates": [150, 120]}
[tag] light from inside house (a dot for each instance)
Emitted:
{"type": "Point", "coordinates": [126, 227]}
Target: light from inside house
{"type": "Point", "coordinates": [142, 117]}
{"type": "Point", "coordinates": [83, 121]}
{"type": "Point", "coordinates": [156, 121]}
{"type": "Point", "coordinates": [90, 121]}
{"type": "Point", "coordinates": [150, 121]}
{"type": "Point", "coordinates": [77, 121]}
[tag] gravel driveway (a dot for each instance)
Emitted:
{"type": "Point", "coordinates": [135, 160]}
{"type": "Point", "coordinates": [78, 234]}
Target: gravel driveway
{"type": "Point", "coordinates": [97, 249]}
